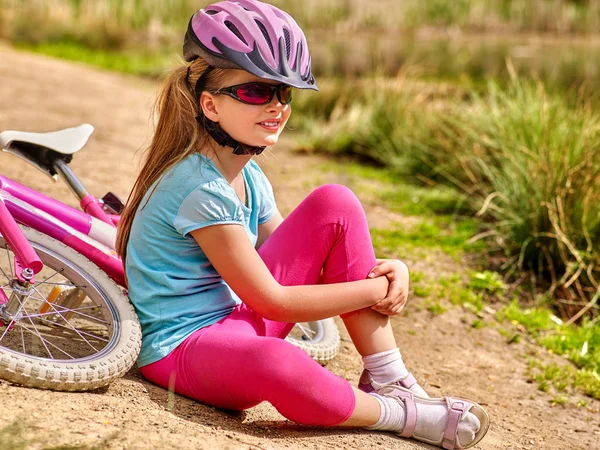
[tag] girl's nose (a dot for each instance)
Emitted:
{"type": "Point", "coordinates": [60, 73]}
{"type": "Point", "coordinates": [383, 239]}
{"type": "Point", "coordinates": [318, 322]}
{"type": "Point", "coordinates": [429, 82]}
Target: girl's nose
{"type": "Point", "coordinates": [275, 104]}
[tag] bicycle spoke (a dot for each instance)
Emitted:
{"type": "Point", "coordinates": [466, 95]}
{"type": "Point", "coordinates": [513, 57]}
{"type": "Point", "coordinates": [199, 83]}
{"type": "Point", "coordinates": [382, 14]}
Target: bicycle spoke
{"type": "Point", "coordinates": [56, 272]}
{"type": "Point", "coordinates": [21, 306]}
{"type": "Point", "coordinates": [44, 341]}
{"type": "Point", "coordinates": [12, 273]}
{"type": "Point", "coordinates": [36, 331]}
{"type": "Point", "coordinates": [4, 273]}
{"type": "Point", "coordinates": [62, 284]}
{"type": "Point", "coordinates": [307, 332]}
{"type": "Point", "coordinates": [23, 340]}
{"type": "Point", "coordinates": [76, 310]}
{"type": "Point", "coordinates": [69, 323]}
{"type": "Point", "coordinates": [61, 315]}
{"type": "Point", "coordinates": [31, 296]}
{"type": "Point", "coordinates": [82, 332]}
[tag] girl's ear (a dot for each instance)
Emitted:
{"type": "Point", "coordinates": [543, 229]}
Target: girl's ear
{"type": "Point", "coordinates": [209, 107]}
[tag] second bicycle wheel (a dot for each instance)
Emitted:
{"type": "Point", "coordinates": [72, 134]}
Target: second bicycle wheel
{"type": "Point", "coordinates": [320, 339]}
{"type": "Point", "coordinates": [73, 329]}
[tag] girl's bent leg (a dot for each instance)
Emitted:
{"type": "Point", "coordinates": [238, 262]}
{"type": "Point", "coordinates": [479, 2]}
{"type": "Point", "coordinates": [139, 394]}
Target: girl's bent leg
{"type": "Point", "coordinates": [236, 371]}
{"type": "Point", "coordinates": [328, 231]}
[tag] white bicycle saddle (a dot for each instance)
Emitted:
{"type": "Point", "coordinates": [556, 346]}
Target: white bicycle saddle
{"type": "Point", "coordinates": [67, 141]}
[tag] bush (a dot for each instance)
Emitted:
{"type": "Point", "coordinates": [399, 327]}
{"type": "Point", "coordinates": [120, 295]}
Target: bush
{"type": "Point", "coordinates": [532, 162]}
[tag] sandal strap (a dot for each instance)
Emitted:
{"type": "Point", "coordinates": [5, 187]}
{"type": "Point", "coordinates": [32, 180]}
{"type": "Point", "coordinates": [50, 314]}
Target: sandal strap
{"type": "Point", "coordinates": [410, 421]}
{"type": "Point", "coordinates": [408, 381]}
{"type": "Point", "coordinates": [456, 409]}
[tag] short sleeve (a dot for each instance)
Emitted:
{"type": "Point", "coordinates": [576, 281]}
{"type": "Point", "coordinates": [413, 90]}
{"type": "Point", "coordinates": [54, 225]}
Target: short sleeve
{"type": "Point", "coordinates": [267, 205]}
{"type": "Point", "coordinates": [208, 204]}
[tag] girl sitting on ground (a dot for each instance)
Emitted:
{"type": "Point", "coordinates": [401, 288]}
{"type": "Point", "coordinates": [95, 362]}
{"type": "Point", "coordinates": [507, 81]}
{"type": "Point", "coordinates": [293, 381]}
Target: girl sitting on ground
{"type": "Point", "coordinates": [218, 277]}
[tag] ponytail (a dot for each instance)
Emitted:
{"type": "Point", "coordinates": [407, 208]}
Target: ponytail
{"type": "Point", "coordinates": [177, 135]}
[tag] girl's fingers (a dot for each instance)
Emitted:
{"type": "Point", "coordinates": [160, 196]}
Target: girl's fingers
{"type": "Point", "coordinates": [382, 305]}
{"type": "Point", "coordinates": [381, 269]}
{"type": "Point", "coordinates": [391, 307]}
{"type": "Point", "coordinates": [396, 309]}
{"type": "Point", "coordinates": [394, 290]}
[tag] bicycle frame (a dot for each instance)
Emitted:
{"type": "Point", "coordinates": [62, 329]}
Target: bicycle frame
{"type": "Point", "coordinates": [91, 236]}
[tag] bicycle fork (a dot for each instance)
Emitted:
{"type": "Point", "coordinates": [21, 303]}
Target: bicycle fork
{"type": "Point", "coordinates": [26, 265]}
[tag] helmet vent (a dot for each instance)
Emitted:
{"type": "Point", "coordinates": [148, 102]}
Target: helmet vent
{"type": "Point", "coordinates": [288, 42]}
{"type": "Point", "coordinates": [266, 35]}
{"type": "Point", "coordinates": [211, 12]}
{"type": "Point", "coordinates": [235, 31]}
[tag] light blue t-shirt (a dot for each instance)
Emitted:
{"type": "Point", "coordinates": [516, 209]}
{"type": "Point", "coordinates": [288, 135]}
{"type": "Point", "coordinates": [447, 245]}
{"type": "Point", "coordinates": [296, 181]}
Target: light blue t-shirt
{"type": "Point", "coordinates": [172, 285]}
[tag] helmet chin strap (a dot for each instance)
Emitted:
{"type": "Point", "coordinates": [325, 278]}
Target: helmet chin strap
{"type": "Point", "coordinates": [222, 138]}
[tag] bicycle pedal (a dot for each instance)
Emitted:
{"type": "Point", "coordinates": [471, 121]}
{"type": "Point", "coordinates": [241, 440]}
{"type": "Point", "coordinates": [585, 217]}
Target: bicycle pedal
{"type": "Point", "coordinates": [65, 299]}
{"type": "Point", "coordinates": [52, 296]}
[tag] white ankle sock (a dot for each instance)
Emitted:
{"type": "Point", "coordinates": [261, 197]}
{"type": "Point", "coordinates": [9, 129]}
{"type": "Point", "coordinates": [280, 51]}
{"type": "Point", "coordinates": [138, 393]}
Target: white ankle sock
{"type": "Point", "coordinates": [431, 420]}
{"type": "Point", "coordinates": [387, 367]}
{"type": "Point", "coordinates": [392, 416]}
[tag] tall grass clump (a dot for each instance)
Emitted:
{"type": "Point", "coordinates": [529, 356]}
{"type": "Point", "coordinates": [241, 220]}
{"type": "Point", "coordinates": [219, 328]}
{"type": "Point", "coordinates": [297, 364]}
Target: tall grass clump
{"type": "Point", "coordinates": [391, 122]}
{"type": "Point", "coordinates": [532, 161]}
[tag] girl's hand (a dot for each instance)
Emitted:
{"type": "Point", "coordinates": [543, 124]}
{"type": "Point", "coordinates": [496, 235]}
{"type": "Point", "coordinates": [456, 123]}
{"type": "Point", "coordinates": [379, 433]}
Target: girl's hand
{"type": "Point", "coordinates": [397, 295]}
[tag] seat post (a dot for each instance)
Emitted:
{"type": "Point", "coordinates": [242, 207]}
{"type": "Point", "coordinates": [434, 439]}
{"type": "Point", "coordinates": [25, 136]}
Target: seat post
{"type": "Point", "coordinates": [70, 178]}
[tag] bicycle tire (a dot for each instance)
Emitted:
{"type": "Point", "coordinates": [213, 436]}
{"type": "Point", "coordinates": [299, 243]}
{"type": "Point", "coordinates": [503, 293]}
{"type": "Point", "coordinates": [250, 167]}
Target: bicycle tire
{"type": "Point", "coordinates": [321, 343]}
{"type": "Point", "coordinates": [106, 301]}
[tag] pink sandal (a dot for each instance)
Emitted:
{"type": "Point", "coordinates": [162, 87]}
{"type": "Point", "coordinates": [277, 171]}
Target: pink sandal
{"type": "Point", "coordinates": [368, 384]}
{"type": "Point", "coordinates": [457, 407]}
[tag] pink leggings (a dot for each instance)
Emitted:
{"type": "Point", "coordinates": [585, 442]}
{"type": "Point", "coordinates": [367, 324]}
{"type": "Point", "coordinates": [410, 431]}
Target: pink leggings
{"type": "Point", "coordinates": [243, 360]}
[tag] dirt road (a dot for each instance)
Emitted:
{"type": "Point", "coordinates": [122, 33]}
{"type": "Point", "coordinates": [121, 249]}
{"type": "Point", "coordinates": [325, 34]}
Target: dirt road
{"type": "Point", "coordinates": [445, 353]}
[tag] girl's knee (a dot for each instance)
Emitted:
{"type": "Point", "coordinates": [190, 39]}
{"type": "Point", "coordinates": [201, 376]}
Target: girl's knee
{"type": "Point", "coordinates": [335, 199]}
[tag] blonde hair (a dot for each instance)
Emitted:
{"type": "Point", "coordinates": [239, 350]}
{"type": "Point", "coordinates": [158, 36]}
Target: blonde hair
{"type": "Point", "coordinates": [177, 135]}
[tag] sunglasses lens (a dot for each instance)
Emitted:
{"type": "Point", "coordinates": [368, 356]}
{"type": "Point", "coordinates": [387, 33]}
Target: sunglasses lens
{"type": "Point", "coordinates": [285, 95]}
{"type": "Point", "coordinates": [254, 93]}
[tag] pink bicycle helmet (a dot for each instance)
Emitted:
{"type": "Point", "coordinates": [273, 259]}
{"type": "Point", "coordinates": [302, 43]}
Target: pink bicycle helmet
{"type": "Point", "coordinates": [253, 36]}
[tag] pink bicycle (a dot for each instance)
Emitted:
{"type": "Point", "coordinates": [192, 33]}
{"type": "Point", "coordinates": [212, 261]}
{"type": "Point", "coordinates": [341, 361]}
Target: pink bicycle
{"type": "Point", "coordinates": [65, 324]}
{"type": "Point", "coordinates": [65, 320]}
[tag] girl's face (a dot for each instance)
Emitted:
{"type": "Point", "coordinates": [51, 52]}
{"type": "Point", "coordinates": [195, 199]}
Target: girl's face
{"type": "Point", "coordinates": [256, 125]}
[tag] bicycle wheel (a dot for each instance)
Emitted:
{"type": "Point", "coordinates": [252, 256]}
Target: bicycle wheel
{"type": "Point", "coordinates": [321, 339]}
{"type": "Point", "coordinates": [74, 330]}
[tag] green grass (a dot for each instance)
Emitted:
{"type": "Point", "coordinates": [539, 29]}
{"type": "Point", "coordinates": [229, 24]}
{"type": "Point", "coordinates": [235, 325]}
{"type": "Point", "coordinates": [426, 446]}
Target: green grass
{"type": "Point", "coordinates": [579, 344]}
{"type": "Point", "coordinates": [478, 323]}
{"type": "Point", "coordinates": [402, 193]}
{"type": "Point", "coordinates": [444, 234]}
{"type": "Point", "coordinates": [148, 64]}
{"type": "Point", "coordinates": [418, 200]}
{"type": "Point", "coordinates": [436, 308]}
{"type": "Point", "coordinates": [562, 378]}
{"type": "Point", "coordinates": [488, 282]}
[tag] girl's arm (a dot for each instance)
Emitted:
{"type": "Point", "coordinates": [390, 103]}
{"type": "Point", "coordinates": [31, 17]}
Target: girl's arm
{"type": "Point", "coordinates": [232, 255]}
{"type": "Point", "coordinates": [266, 229]}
